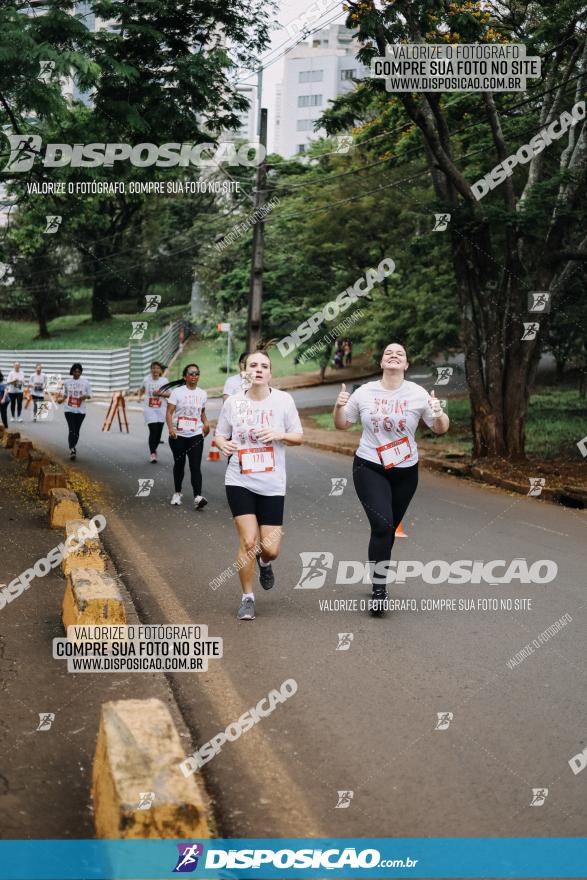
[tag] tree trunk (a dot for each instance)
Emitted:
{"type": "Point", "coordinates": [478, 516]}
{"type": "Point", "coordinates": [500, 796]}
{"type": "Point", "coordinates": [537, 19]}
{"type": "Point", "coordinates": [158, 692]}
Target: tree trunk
{"type": "Point", "coordinates": [101, 287]}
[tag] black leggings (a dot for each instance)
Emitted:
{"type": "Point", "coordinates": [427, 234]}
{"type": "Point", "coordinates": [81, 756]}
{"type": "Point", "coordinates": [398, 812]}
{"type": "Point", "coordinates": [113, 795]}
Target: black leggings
{"type": "Point", "coordinates": [16, 403]}
{"type": "Point", "coordinates": [385, 496]}
{"type": "Point", "coordinates": [192, 448]}
{"type": "Point", "coordinates": [4, 413]}
{"type": "Point", "coordinates": [155, 431]}
{"type": "Point", "coordinates": [37, 401]}
{"type": "Point", "coordinates": [74, 423]}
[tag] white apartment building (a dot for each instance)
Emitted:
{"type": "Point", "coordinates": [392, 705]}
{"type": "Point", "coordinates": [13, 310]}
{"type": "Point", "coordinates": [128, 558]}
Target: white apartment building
{"type": "Point", "coordinates": [247, 130]}
{"type": "Point", "coordinates": [315, 72]}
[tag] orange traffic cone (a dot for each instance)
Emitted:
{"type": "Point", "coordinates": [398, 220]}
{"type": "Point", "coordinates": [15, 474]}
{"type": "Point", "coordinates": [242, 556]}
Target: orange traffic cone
{"type": "Point", "coordinates": [399, 532]}
{"type": "Point", "coordinates": [213, 452]}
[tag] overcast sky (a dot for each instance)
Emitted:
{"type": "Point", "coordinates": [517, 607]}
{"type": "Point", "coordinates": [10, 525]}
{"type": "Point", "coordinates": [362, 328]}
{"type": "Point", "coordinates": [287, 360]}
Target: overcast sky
{"type": "Point", "coordinates": [288, 10]}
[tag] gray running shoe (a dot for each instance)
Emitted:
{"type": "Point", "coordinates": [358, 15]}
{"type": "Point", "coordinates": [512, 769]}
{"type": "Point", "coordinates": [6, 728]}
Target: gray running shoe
{"type": "Point", "coordinates": [266, 576]}
{"type": "Point", "coordinates": [247, 608]}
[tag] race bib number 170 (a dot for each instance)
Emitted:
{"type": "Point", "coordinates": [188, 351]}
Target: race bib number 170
{"type": "Point", "coordinates": [258, 460]}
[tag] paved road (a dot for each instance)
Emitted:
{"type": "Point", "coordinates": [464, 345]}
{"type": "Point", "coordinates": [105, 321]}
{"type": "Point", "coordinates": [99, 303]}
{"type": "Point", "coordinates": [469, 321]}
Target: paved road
{"type": "Point", "coordinates": [364, 719]}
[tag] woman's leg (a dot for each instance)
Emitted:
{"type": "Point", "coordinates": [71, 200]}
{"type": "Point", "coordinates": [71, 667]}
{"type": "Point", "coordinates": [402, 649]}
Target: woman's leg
{"type": "Point", "coordinates": [248, 536]}
{"type": "Point", "coordinates": [4, 413]}
{"type": "Point", "coordinates": [270, 542]}
{"type": "Point", "coordinates": [74, 422]}
{"type": "Point", "coordinates": [374, 492]}
{"type": "Point", "coordinates": [178, 448]}
{"type": "Point", "coordinates": [155, 431]}
{"type": "Point", "coordinates": [194, 454]}
{"type": "Point", "coordinates": [404, 482]}
{"type": "Point", "coordinates": [12, 404]}
{"type": "Point", "coordinates": [18, 405]}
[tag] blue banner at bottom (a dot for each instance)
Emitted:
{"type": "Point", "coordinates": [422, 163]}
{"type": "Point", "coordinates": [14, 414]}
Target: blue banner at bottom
{"type": "Point", "coordinates": [555, 857]}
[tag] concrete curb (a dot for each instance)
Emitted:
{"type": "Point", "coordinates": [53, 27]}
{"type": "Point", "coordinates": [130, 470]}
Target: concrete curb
{"type": "Point", "coordinates": [89, 555]}
{"type": "Point", "coordinates": [139, 748]}
{"type": "Point", "coordinates": [138, 752]}
{"type": "Point", "coordinates": [9, 438]}
{"type": "Point", "coordinates": [91, 597]}
{"type": "Point", "coordinates": [63, 505]}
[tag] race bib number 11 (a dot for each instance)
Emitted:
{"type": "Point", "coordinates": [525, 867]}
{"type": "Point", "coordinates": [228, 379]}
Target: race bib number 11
{"type": "Point", "coordinates": [394, 453]}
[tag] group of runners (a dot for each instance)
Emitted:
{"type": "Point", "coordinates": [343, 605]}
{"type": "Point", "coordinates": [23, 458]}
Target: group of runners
{"type": "Point", "coordinates": [14, 389]}
{"type": "Point", "coordinates": [256, 424]}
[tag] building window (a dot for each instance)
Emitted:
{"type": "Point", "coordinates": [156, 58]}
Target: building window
{"type": "Point", "coordinates": [301, 148]}
{"type": "Point", "coordinates": [305, 124]}
{"type": "Point", "coordinates": [309, 100]}
{"type": "Point", "coordinates": [310, 76]}
{"type": "Point", "coordinates": [348, 74]}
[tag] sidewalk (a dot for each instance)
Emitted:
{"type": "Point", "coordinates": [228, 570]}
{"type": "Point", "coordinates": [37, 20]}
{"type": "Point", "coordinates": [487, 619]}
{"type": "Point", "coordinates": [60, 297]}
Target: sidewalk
{"type": "Point", "coordinates": [45, 780]}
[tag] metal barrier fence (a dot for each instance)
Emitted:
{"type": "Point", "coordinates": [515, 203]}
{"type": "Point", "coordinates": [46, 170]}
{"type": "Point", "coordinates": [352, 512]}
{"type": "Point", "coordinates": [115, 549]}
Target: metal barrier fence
{"type": "Point", "coordinates": [107, 369]}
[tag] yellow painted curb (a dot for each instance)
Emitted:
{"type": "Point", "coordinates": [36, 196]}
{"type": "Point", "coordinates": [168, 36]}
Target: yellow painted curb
{"type": "Point", "coordinates": [137, 759]}
{"type": "Point", "coordinates": [91, 597]}
{"type": "Point", "coordinates": [51, 477]}
{"type": "Point", "coordinates": [89, 555]}
{"type": "Point", "coordinates": [63, 505]}
{"type": "Point", "coordinates": [36, 461]}
{"type": "Point", "coordinates": [9, 438]}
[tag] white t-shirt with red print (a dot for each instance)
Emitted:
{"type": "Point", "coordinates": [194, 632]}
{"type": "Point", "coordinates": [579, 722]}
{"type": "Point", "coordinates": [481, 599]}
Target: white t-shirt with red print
{"type": "Point", "coordinates": [258, 466]}
{"type": "Point", "coordinates": [390, 420]}
{"type": "Point", "coordinates": [154, 408]}
{"type": "Point", "coordinates": [187, 417]}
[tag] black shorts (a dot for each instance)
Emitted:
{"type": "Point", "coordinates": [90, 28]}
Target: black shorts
{"type": "Point", "coordinates": [267, 508]}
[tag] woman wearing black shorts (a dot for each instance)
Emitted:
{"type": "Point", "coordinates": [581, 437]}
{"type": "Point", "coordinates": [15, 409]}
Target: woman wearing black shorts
{"type": "Point", "coordinates": [385, 467]}
{"type": "Point", "coordinates": [254, 427]}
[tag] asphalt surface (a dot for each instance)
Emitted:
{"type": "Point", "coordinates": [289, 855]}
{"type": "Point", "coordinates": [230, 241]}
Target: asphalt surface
{"type": "Point", "coordinates": [363, 719]}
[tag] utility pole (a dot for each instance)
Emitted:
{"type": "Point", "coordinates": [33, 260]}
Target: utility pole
{"type": "Point", "coordinates": [256, 289]}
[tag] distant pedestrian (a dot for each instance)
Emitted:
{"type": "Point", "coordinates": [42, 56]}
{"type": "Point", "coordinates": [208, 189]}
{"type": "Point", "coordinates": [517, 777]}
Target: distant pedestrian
{"type": "Point", "coordinates": [16, 382]}
{"type": "Point", "coordinates": [338, 356]}
{"type": "Point", "coordinates": [36, 386]}
{"type": "Point", "coordinates": [236, 383]}
{"type": "Point", "coordinates": [347, 347]}
{"type": "Point", "coordinates": [4, 401]}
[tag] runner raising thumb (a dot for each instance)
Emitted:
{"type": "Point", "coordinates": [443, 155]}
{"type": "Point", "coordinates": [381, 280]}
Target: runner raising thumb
{"type": "Point", "coordinates": [343, 396]}
{"type": "Point", "coordinates": [435, 406]}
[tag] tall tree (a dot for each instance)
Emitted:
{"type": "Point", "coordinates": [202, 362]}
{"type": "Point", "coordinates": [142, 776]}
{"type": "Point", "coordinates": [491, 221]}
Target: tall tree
{"type": "Point", "coordinates": [522, 237]}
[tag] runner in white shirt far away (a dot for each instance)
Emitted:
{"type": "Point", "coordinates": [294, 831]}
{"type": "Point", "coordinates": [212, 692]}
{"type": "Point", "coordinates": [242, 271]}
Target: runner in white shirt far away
{"type": "Point", "coordinates": [37, 385]}
{"type": "Point", "coordinates": [385, 467]}
{"type": "Point", "coordinates": [15, 383]}
{"type": "Point", "coordinates": [74, 393]}
{"type": "Point", "coordinates": [234, 384]}
{"type": "Point", "coordinates": [154, 406]}
{"type": "Point", "coordinates": [188, 425]}
{"type": "Point", "coordinates": [253, 429]}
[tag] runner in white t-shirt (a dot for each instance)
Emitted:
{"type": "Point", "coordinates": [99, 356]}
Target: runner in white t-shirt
{"type": "Point", "coordinates": [234, 384]}
{"type": "Point", "coordinates": [73, 394]}
{"type": "Point", "coordinates": [253, 429]}
{"type": "Point", "coordinates": [37, 384]}
{"type": "Point", "coordinates": [154, 406]}
{"type": "Point", "coordinates": [15, 383]}
{"type": "Point", "coordinates": [385, 467]}
{"type": "Point", "coordinates": [187, 425]}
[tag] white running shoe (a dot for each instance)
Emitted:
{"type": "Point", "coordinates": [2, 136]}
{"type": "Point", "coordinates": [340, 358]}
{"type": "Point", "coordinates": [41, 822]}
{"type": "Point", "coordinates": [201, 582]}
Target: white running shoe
{"type": "Point", "coordinates": [200, 502]}
{"type": "Point", "coordinates": [176, 498]}
{"type": "Point", "coordinates": [19, 419]}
